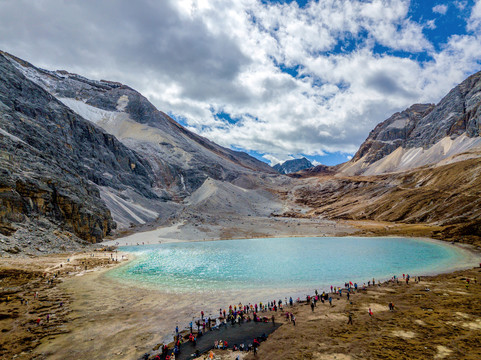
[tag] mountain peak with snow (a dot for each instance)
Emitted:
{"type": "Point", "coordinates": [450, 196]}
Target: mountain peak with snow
{"type": "Point", "coordinates": [292, 166]}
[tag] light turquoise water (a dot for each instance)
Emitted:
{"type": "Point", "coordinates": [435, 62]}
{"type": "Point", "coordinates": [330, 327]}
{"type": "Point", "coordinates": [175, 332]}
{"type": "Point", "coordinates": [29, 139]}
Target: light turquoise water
{"type": "Point", "coordinates": [281, 263]}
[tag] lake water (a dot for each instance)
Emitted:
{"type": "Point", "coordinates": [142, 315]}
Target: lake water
{"type": "Point", "coordinates": [282, 263]}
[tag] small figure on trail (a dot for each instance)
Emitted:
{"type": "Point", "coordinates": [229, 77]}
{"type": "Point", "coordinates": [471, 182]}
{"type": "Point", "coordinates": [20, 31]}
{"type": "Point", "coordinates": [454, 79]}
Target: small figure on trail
{"type": "Point", "coordinates": [350, 319]}
{"type": "Point", "coordinates": [370, 313]}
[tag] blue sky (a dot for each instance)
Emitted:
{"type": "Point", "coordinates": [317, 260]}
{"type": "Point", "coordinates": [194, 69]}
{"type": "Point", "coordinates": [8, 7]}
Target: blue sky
{"type": "Point", "coordinates": [277, 79]}
{"type": "Point", "coordinates": [439, 20]}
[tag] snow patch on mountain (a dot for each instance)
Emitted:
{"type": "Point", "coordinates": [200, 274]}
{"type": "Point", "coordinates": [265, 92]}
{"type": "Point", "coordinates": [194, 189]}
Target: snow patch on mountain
{"type": "Point", "coordinates": [46, 80]}
{"type": "Point", "coordinates": [403, 159]}
{"type": "Point", "coordinates": [122, 102]}
{"type": "Point", "coordinates": [103, 118]}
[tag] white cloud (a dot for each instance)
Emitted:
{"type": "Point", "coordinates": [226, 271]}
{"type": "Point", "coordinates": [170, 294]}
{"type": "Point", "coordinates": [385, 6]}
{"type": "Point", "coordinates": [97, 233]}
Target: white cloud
{"type": "Point", "coordinates": [194, 58]}
{"type": "Point", "coordinates": [431, 24]}
{"type": "Point", "coordinates": [474, 21]}
{"type": "Point", "coordinates": [461, 5]}
{"type": "Point", "coordinates": [440, 9]}
{"type": "Point", "coordinates": [273, 159]}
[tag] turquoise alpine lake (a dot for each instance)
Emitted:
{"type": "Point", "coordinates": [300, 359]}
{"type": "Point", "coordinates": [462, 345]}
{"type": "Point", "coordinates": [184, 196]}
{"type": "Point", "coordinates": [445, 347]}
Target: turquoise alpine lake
{"type": "Point", "coordinates": [282, 263]}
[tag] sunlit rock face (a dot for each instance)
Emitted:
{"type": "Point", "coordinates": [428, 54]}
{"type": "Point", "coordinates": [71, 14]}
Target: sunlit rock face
{"type": "Point", "coordinates": [423, 134]}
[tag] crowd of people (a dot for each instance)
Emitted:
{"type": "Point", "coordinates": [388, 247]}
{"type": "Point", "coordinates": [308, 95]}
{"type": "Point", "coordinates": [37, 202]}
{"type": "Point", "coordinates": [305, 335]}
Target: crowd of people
{"type": "Point", "coordinates": [264, 312]}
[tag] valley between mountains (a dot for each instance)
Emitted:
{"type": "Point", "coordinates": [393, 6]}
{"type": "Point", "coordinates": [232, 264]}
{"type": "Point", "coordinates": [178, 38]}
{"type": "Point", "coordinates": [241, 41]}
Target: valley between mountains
{"type": "Point", "coordinates": [83, 161]}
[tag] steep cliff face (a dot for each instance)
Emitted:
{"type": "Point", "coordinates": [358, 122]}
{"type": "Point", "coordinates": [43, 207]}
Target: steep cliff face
{"type": "Point", "coordinates": [53, 162]}
{"type": "Point", "coordinates": [392, 133]}
{"type": "Point", "coordinates": [179, 161]}
{"type": "Point", "coordinates": [423, 134]}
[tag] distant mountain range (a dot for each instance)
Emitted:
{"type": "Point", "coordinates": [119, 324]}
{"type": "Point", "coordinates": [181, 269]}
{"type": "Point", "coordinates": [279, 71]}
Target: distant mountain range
{"type": "Point", "coordinates": [292, 166]}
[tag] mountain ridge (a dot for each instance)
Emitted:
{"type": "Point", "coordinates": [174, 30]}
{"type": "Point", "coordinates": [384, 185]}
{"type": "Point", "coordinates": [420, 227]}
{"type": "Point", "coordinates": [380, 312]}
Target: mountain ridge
{"type": "Point", "coordinates": [292, 166]}
{"type": "Point", "coordinates": [48, 169]}
{"type": "Point", "coordinates": [180, 160]}
{"type": "Point", "coordinates": [66, 180]}
{"type": "Point", "coordinates": [81, 159]}
{"type": "Point", "coordinates": [403, 141]}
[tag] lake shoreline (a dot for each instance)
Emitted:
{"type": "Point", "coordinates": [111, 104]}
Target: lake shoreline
{"type": "Point", "coordinates": [467, 256]}
{"type": "Point", "coordinates": [97, 305]}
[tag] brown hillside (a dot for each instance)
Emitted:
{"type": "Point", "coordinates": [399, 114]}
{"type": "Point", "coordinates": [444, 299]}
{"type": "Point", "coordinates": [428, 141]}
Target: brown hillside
{"type": "Point", "coordinates": [446, 198]}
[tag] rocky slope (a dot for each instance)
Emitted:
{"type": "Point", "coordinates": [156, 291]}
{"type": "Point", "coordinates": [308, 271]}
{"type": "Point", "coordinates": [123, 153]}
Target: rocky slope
{"type": "Point", "coordinates": [80, 157]}
{"type": "Point", "coordinates": [420, 167]}
{"type": "Point", "coordinates": [423, 134]}
{"type": "Point", "coordinates": [292, 166]}
{"type": "Point", "coordinates": [53, 162]}
{"type": "Point", "coordinates": [445, 197]}
{"type": "Point", "coordinates": [181, 160]}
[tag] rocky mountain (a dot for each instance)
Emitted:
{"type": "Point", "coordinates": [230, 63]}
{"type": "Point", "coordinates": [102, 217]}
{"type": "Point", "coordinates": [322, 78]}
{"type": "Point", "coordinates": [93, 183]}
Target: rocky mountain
{"type": "Point", "coordinates": [292, 166]}
{"type": "Point", "coordinates": [80, 157]}
{"type": "Point", "coordinates": [423, 134]}
{"type": "Point", "coordinates": [53, 162]}
{"type": "Point", "coordinates": [418, 173]}
{"type": "Point", "coordinates": [441, 201]}
{"type": "Point", "coordinates": [180, 160]}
